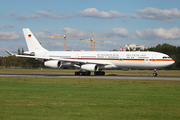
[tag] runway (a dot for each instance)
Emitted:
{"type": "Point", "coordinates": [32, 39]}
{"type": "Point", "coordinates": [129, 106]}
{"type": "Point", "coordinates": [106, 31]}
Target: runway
{"type": "Point", "coordinates": [94, 77]}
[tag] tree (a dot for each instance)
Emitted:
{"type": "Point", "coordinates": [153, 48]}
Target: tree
{"type": "Point", "coordinates": [19, 51]}
{"type": "Point", "coordinates": [22, 51]}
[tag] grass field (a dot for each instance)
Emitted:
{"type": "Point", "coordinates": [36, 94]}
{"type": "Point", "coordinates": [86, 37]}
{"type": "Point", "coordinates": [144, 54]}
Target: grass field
{"type": "Point", "coordinates": [108, 72]}
{"type": "Point", "coordinates": [88, 99]}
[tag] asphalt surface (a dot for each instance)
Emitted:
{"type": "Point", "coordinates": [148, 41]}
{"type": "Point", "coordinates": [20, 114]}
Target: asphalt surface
{"type": "Point", "coordinates": [94, 77]}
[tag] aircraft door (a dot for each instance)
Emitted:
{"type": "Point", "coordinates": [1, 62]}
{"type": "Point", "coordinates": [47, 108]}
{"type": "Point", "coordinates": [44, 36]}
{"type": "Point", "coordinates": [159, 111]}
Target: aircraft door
{"type": "Point", "coordinates": [121, 57]}
{"type": "Point", "coordinates": [153, 58]}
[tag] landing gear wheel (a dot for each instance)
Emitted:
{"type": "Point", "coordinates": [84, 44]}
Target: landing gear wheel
{"type": "Point", "coordinates": [82, 73]}
{"type": "Point", "coordinates": [99, 73]}
{"type": "Point", "coordinates": [103, 73]}
{"type": "Point", "coordinates": [95, 73]}
{"type": "Point", "coordinates": [88, 73]}
{"type": "Point", "coordinates": [76, 73]}
{"type": "Point", "coordinates": [155, 74]}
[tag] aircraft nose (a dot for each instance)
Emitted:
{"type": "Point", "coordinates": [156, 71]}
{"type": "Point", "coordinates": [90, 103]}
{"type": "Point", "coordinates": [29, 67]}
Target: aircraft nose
{"type": "Point", "coordinates": [172, 62]}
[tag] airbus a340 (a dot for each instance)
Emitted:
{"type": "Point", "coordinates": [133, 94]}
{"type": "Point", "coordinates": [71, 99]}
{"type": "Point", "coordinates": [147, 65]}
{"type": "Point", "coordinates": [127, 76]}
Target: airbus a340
{"type": "Point", "coordinates": [94, 61]}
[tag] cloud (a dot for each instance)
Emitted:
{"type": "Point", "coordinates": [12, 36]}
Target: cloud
{"type": "Point", "coordinates": [124, 20]}
{"type": "Point", "coordinates": [52, 15]}
{"type": "Point", "coordinates": [89, 12]}
{"type": "Point", "coordinates": [58, 44]}
{"type": "Point", "coordinates": [23, 17]}
{"type": "Point", "coordinates": [47, 34]}
{"type": "Point", "coordinates": [152, 34]}
{"type": "Point", "coordinates": [40, 14]}
{"type": "Point", "coordinates": [68, 30]}
{"type": "Point", "coordinates": [158, 14]}
{"type": "Point", "coordinates": [93, 12]}
{"type": "Point", "coordinates": [120, 32]}
{"type": "Point", "coordinates": [147, 13]}
{"type": "Point", "coordinates": [6, 26]}
{"type": "Point", "coordinates": [15, 35]}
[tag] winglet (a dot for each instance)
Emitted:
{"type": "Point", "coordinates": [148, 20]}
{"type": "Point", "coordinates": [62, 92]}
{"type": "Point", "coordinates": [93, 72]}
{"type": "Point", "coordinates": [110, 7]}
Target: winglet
{"type": "Point", "coordinates": [11, 54]}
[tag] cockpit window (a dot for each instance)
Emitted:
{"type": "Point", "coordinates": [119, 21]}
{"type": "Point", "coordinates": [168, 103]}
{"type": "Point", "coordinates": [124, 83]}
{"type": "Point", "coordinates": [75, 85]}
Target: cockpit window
{"type": "Point", "coordinates": [166, 57]}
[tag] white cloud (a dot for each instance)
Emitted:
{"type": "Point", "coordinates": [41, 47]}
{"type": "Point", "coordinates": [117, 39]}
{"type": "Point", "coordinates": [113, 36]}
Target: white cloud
{"type": "Point", "coordinates": [23, 17]}
{"type": "Point", "coordinates": [110, 43]}
{"type": "Point", "coordinates": [15, 35]}
{"type": "Point", "coordinates": [40, 14]}
{"type": "Point", "coordinates": [58, 44]}
{"type": "Point", "coordinates": [121, 32]}
{"type": "Point", "coordinates": [93, 12]}
{"type": "Point", "coordinates": [68, 30]}
{"type": "Point", "coordinates": [133, 16]}
{"type": "Point", "coordinates": [89, 12]}
{"type": "Point", "coordinates": [152, 34]}
{"type": "Point", "coordinates": [158, 14]}
{"type": "Point", "coordinates": [52, 15]}
{"type": "Point", "coordinates": [147, 13]}
{"type": "Point", "coordinates": [6, 26]}
{"type": "Point", "coordinates": [47, 33]}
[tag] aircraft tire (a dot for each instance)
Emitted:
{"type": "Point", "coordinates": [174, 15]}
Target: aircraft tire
{"type": "Point", "coordinates": [103, 73]}
{"type": "Point", "coordinates": [155, 74]}
{"type": "Point", "coordinates": [80, 73]}
{"type": "Point", "coordinates": [76, 73]}
{"type": "Point", "coordinates": [88, 73]}
{"type": "Point", "coordinates": [99, 73]}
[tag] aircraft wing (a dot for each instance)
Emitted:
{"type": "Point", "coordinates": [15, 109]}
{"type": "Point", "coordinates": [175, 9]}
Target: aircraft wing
{"type": "Point", "coordinates": [76, 61]}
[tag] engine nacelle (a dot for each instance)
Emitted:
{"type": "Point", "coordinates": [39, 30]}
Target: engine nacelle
{"type": "Point", "coordinates": [53, 63]}
{"type": "Point", "coordinates": [90, 67]}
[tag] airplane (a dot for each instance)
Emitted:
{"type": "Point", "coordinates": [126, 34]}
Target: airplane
{"type": "Point", "coordinates": [94, 61]}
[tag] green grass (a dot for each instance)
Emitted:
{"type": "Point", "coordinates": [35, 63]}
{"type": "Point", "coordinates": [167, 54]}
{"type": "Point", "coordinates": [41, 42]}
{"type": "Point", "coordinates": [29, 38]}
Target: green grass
{"type": "Point", "coordinates": [90, 99]}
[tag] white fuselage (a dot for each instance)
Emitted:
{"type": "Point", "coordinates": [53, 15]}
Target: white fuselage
{"type": "Point", "coordinates": [114, 59]}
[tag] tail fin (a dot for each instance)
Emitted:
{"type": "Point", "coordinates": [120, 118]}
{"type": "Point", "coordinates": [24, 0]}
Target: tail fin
{"type": "Point", "coordinates": [32, 43]}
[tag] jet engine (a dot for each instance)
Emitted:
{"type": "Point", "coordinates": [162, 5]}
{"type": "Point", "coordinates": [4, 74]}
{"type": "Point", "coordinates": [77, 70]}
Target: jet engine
{"type": "Point", "coordinates": [53, 63]}
{"type": "Point", "coordinates": [90, 67]}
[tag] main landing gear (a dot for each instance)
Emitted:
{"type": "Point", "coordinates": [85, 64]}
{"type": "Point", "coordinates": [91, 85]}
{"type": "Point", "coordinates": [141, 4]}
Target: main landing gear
{"type": "Point", "coordinates": [99, 73]}
{"type": "Point", "coordinates": [82, 73]}
{"type": "Point", "coordinates": [155, 73]}
{"type": "Point", "coordinates": [87, 73]}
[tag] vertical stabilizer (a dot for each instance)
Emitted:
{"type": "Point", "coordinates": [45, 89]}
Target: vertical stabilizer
{"type": "Point", "coordinates": [32, 43]}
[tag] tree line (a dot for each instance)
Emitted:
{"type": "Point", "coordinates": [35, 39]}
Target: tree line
{"type": "Point", "coordinates": [12, 61]}
{"type": "Point", "coordinates": [172, 51]}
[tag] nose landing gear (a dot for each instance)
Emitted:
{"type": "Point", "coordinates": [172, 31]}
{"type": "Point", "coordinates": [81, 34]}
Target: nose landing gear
{"type": "Point", "coordinates": [155, 73]}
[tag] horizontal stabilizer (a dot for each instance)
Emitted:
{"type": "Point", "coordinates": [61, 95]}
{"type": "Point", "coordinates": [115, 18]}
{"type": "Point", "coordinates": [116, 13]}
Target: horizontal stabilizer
{"type": "Point", "coordinates": [8, 52]}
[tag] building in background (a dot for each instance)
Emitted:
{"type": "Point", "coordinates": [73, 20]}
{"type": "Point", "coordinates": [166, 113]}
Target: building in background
{"type": "Point", "coordinates": [133, 47]}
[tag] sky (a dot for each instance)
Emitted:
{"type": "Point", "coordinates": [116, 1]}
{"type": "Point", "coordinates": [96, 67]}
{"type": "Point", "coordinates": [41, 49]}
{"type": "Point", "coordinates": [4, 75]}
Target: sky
{"type": "Point", "coordinates": [141, 22]}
